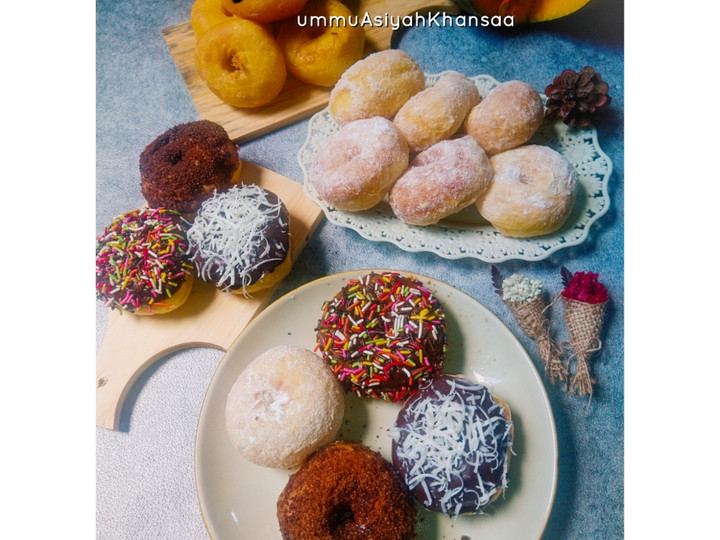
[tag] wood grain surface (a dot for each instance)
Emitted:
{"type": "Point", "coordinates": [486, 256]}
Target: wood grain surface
{"type": "Point", "coordinates": [209, 318]}
{"type": "Point", "coordinates": [297, 100]}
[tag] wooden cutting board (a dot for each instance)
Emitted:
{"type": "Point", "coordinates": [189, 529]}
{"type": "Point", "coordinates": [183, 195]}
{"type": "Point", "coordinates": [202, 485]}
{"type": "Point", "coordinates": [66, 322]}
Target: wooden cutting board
{"type": "Point", "coordinates": [209, 318]}
{"type": "Point", "coordinates": [297, 100]}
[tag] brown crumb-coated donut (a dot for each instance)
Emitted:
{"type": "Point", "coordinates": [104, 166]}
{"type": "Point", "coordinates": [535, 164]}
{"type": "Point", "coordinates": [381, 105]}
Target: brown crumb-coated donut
{"type": "Point", "coordinates": [437, 112]}
{"type": "Point", "coordinates": [356, 167]}
{"type": "Point", "coordinates": [186, 164]}
{"type": "Point", "coordinates": [346, 491]}
{"type": "Point", "coordinates": [441, 181]}
{"type": "Point", "coordinates": [377, 85]}
{"type": "Point", "coordinates": [532, 192]}
{"type": "Point", "coordinates": [507, 117]}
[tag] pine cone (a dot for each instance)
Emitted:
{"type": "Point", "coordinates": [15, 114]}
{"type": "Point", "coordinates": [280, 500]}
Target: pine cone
{"type": "Point", "coordinates": [575, 97]}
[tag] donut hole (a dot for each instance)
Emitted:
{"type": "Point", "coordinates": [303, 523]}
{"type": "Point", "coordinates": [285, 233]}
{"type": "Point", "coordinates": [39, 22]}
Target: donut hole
{"type": "Point", "coordinates": [232, 62]}
{"type": "Point", "coordinates": [175, 157]}
{"type": "Point", "coordinates": [339, 518]}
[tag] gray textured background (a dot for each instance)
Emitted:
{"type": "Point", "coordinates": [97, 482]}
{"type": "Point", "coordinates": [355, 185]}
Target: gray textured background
{"type": "Point", "coordinates": [145, 486]}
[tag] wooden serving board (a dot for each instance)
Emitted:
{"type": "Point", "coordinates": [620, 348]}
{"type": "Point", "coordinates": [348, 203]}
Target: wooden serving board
{"type": "Point", "coordinates": [209, 318]}
{"type": "Point", "coordinates": [297, 100]}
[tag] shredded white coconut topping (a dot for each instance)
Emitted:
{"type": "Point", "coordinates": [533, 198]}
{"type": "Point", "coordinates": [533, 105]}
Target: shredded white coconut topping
{"type": "Point", "coordinates": [229, 234]}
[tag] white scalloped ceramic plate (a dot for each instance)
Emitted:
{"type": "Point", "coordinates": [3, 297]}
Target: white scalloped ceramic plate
{"type": "Point", "coordinates": [238, 499]}
{"type": "Point", "coordinates": [467, 234]}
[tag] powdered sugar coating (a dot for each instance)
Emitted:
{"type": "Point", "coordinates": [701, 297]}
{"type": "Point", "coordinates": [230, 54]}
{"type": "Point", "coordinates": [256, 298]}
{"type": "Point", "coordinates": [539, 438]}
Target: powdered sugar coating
{"type": "Point", "coordinates": [377, 85]}
{"type": "Point", "coordinates": [437, 112]}
{"type": "Point", "coordinates": [285, 404]}
{"type": "Point", "coordinates": [441, 181]}
{"type": "Point", "coordinates": [359, 163]}
{"type": "Point", "coordinates": [508, 117]}
{"type": "Point", "coordinates": [532, 192]}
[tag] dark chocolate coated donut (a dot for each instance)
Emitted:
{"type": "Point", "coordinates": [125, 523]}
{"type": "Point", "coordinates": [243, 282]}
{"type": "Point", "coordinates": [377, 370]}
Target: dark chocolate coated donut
{"type": "Point", "coordinates": [452, 443]}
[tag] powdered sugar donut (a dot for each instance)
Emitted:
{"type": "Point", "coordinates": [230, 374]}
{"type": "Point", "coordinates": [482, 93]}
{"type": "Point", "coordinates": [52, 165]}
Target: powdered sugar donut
{"type": "Point", "coordinates": [377, 85]}
{"type": "Point", "coordinates": [285, 404]}
{"type": "Point", "coordinates": [437, 112]}
{"type": "Point", "coordinates": [441, 181]}
{"type": "Point", "coordinates": [509, 116]}
{"type": "Point", "coordinates": [357, 166]}
{"type": "Point", "coordinates": [532, 192]}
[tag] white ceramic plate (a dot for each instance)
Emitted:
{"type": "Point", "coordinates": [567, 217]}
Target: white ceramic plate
{"type": "Point", "coordinates": [238, 499]}
{"type": "Point", "coordinates": [467, 234]}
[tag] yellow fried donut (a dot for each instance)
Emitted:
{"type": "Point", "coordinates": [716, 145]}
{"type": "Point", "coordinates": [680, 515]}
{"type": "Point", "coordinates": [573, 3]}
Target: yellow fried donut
{"type": "Point", "coordinates": [264, 11]}
{"type": "Point", "coordinates": [207, 13]}
{"type": "Point", "coordinates": [377, 85]}
{"type": "Point", "coordinates": [509, 116]}
{"type": "Point", "coordinates": [532, 192]}
{"type": "Point", "coordinates": [437, 112]}
{"type": "Point", "coordinates": [324, 47]}
{"type": "Point", "coordinates": [241, 63]}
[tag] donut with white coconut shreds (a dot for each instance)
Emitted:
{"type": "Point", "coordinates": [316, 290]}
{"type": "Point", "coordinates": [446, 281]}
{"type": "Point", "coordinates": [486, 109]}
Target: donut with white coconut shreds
{"type": "Point", "coordinates": [240, 240]}
{"type": "Point", "coordinates": [452, 443]}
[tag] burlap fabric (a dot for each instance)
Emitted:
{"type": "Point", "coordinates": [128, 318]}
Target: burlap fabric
{"type": "Point", "coordinates": [534, 322]}
{"type": "Point", "coordinates": [584, 323]}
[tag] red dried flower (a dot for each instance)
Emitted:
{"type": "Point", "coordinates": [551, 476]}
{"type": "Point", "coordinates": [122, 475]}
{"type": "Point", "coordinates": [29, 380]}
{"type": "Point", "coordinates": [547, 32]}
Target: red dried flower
{"type": "Point", "coordinates": [584, 287]}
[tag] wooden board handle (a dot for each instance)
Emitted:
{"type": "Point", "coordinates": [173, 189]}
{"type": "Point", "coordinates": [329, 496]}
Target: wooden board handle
{"type": "Point", "coordinates": [209, 317]}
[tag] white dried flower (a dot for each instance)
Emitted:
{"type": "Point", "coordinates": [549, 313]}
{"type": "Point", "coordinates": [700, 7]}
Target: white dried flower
{"type": "Point", "coordinates": [518, 288]}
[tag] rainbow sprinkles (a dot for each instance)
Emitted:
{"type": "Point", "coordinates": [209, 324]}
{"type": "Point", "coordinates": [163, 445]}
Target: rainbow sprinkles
{"type": "Point", "coordinates": [382, 335]}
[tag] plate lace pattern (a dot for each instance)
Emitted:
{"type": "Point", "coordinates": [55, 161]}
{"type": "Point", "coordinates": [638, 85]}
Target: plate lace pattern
{"type": "Point", "coordinates": [474, 237]}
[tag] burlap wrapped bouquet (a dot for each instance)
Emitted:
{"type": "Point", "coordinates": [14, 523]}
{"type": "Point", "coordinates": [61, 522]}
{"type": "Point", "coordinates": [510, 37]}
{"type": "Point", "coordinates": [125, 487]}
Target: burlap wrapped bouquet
{"type": "Point", "coordinates": [528, 305]}
{"type": "Point", "coordinates": [585, 300]}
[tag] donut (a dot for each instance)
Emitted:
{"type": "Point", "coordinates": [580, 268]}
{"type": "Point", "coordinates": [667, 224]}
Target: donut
{"type": "Point", "coordinates": [240, 240]}
{"type": "Point", "coordinates": [241, 63]}
{"type": "Point", "coordinates": [377, 85]}
{"type": "Point", "coordinates": [205, 14]}
{"type": "Point", "coordinates": [183, 166]}
{"type": "Point", "coordinates": [532, 192]}
{"type": "Point", "coordinates": [452, 443]}
{"type": "Point", "coordinates": [382, 335]}
{"type": "Point", "coordinates": [283, 406]}
{"type": "Point", "coordinates": [509, 116]}
{"type": "Point", "coordinates": [346, 491]}
{"type": "Point", "coordinates": [264, 11]}
{"type": "Point", "coordinates": [438, 112]}
{"type": "Point", "coordinates": [320, 53]}
{"type": "Point", "coordinates": [140, 262]}
{"type": "Point", "coordinates": [442, 180]}
{"type": "Point", "coordinates": [359, 163]}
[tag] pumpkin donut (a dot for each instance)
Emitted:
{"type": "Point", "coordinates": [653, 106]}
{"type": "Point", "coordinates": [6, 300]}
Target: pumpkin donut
{"type": "Point", "coordinates": [207, 13]}
{"type": "Point", "coordinates": [264, 11]}
{"type": "Point", "coordinates": [241, 63]}
{"type": "Point", "coordinates": [320, 54]}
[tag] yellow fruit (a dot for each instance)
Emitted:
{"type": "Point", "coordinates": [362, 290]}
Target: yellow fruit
{"type": "Point", "coordinates": [523, 10]}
